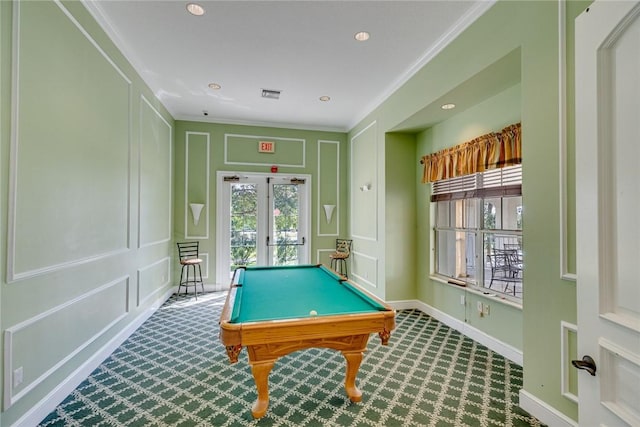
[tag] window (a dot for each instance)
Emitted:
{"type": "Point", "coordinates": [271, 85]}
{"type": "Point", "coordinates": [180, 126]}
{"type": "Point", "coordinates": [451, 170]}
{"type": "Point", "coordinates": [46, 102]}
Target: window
{"type": "Point", "coordinates": [478, 230]}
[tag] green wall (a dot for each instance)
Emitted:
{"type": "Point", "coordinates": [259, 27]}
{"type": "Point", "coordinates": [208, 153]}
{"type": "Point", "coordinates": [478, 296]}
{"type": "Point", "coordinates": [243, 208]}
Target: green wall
{"type": "Point", "coordinates": [323, 155]}
{"type": "Point", "coordinates": [491, 115]}
{"type": "Point", "coordinates": [93, 187]}
{"type": "Point", "coordinates": [400, 216]}
{"type": "Point", "coordinates": [527, 30]}
{"type": "Point", "coordinates": [86, 160]}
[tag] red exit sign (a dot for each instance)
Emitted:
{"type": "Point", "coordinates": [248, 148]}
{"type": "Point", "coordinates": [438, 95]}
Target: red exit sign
{"type": "Point", "coordinates": [266, 147]}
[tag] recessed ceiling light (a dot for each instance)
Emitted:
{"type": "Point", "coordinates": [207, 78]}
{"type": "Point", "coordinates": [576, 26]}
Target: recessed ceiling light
{"type": "Point", "coordinates": [195, 9]}
{"type": "Point", "coordinates": [324, 98]}
{"type": "Point", "coordinates": [448, 106]}
{"type": "Point", "coordinates": [362, 36]}
{"type": "Point", "coordinates": [214, 86]}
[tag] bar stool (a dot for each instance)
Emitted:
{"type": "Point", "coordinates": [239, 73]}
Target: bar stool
{"type": "Point", "coordinates": [340, 256]}
{"type": "Point", "coordinates": [188, 253]}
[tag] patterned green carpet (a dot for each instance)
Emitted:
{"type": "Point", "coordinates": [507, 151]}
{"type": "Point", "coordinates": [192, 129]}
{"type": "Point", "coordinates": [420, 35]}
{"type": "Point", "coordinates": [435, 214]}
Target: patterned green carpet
{"type": "Point", "coordinates": [173, 371]}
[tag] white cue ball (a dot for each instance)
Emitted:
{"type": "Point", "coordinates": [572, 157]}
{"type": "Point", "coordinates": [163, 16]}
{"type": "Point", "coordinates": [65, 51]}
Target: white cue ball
{"type": "Point", "coordinates": [313, 313]}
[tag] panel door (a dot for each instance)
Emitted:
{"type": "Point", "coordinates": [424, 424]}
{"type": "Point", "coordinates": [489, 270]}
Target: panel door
{"type": "Point", "coordinates": [608, 211]}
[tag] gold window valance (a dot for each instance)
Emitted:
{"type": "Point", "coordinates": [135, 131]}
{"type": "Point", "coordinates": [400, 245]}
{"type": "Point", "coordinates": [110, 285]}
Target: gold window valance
{"type": "Point", "coordinates": [491, 151]}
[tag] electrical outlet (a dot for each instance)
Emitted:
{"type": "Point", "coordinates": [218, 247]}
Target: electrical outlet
{"type": "Point", "coordinates": [462, 300]}
{"type": "Point", "coordinates": [486, 309]}
{"type": "Point", "coordinates": [480, 307]}
{"type": "Point", "coordinates": [18, 376]}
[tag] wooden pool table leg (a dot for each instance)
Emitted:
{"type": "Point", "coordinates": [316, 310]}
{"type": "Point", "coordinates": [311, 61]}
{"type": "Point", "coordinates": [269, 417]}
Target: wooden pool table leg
{"type": "Point", "coordinates": [354, 358]}
{"type": "Point", "coordinates": [260, 371]}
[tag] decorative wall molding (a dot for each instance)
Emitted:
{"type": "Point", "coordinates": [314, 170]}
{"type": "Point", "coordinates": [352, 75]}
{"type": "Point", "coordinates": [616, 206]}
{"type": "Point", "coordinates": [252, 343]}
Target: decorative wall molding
{"type": "Point", "coordinates": [319, 203]}
{"type": "Point", "coordinates": [9, 397]}
{"type": "Point", "coordinates": [207, 202]}
{"type": "Point", "coordinates": [205, 265]}
{"type": "Point", "coordinates": [565, 358]}
{"type": "Point", "coordinates": [12, 275]}
{"type": "Point", "coordinates": [143, 299]}
{"type": "Point", "coordinates": [562, 139]}
{"type": "Point", "coordinates": [48, 403]}
{"type": "Point", "coordinates": [319, 251]}
{"type": "Point", "coordinates": [357, 274]}
{"type": "Point", "coordinates": [301, 164]}
{"type": "Point", "coordinates": [145, 101]}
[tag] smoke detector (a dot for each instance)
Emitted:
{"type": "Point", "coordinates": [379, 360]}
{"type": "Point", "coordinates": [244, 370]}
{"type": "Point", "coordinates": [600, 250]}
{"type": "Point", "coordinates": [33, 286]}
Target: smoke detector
{"type": "Point", "coordinates": [270, 93]}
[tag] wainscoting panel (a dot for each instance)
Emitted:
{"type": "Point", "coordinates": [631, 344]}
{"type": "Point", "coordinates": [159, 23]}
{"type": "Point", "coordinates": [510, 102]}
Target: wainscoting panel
{"type": "Point", "coordinates": [40, 345]}
{"type": "Point", "coordinates": [204, 256]}
{"type": "Point", "coordinates": [152, 279]}
{"type": "Point", "coordinates": [322, 256]}
{"type": "Point", "coordinates": [364, 269]}
{"type": "Point", "coordinates": [154, 177]}
{"type": "Point", "coordinates": [70, 169]}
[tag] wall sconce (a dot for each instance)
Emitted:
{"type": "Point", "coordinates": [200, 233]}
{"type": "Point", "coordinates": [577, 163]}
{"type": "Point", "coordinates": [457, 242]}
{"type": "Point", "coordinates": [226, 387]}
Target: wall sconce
{"type": "Point", "coordinates": [196, 209]}
{"type": "Point", "coordinates": [365, 187]}
{"type": "Point", "coordinates": [328, 212]}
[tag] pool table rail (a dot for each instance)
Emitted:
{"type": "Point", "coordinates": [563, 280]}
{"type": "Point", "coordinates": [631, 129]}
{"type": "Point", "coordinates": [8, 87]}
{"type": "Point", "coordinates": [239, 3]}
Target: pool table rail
{"type": "Point", "coordinates": [309, 330]}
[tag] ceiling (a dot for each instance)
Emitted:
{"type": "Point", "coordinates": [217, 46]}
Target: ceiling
{"type": "Point", "coordinates": [305, 49]}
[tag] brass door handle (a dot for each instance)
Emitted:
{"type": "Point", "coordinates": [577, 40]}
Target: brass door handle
{"type": "Point", "coordinates": [587, 363]}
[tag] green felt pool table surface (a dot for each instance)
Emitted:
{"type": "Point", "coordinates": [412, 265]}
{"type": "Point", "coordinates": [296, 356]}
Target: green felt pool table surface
{"type": "Point", "coordinates": [289, 292]}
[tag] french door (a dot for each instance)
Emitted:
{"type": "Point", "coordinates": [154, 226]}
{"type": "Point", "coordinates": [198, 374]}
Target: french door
{"type": "Point", "coordinates": [262, 220]}
{"type": "Point", "coordinates": [608, 202]}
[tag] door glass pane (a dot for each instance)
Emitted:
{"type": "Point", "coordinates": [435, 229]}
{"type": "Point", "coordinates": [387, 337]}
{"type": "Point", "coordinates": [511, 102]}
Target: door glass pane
{"type": "Point", "coordinates": [285, 224]}
{"type": "Point", "coordinates": [244, 216]}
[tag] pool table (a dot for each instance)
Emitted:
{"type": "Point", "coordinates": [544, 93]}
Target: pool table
{"type": "Point", "coordinates": [274, 311]}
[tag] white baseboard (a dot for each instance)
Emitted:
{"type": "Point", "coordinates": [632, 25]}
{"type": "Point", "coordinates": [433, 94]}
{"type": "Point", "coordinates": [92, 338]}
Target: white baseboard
{"type": "Point", "coordinates": [528, 402]}
{"type": "Point", "coordinates": [476, 334]}
{"type": "Point", "coordinates": [545, 413]}
{"type": "Point", "coordinates": [208, 287]}
{"type": "Point", "coordinates": [41, 409]}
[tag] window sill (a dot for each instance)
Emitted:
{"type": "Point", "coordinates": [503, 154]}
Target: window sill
{"type": "Point", "coordinates": [476, 290]}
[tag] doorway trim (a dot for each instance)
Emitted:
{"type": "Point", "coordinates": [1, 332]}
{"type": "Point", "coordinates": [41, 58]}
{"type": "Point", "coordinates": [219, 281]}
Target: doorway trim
{"type": "Point", "coordinates": [222, 214]}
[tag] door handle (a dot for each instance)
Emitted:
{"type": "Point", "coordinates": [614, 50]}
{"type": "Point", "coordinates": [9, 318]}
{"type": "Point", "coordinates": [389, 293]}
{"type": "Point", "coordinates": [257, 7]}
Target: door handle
{"type": "Point", "coordinates": [587, 363]}
{"type": "Point", "coordinates": [287, 244]}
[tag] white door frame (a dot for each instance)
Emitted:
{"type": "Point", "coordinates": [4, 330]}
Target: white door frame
{"type": "Point", "coordinates": [222, 218]}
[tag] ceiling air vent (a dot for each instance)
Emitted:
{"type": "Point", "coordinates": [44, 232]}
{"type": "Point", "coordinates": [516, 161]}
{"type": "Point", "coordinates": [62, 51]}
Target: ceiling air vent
{"type": "Point", "coordinates": [271, 94]}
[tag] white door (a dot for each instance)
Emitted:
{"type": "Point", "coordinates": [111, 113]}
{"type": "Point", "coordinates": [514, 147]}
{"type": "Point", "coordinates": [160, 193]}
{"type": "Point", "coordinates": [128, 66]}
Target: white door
{"type": "Point", "coordinates": [608, 211]}
{"type": "Point", "coordinates": [262, 219]}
